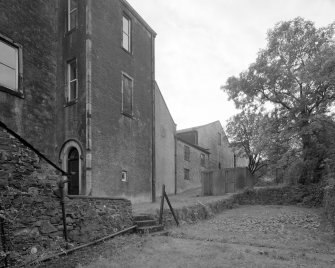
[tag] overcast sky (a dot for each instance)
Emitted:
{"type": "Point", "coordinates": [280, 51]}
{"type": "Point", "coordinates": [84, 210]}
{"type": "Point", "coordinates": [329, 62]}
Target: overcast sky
{"type": "Point", "coordinates": [200, 43]}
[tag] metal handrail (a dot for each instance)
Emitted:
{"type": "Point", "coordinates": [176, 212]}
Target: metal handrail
{"type": "Point", "coordinates": [24, 142]}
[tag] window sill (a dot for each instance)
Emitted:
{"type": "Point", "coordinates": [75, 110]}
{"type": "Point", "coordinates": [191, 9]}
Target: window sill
{"type": "Point", "coordinates": [128, 115]}
{"type": "Point", "coordinates": [70, 103]}
{"type": "Point", "coordinates": [71, 31]}
{"type": "Point", "coordinates": [12, 92]}
{"type": "Point", "coordinates": [128, 52]}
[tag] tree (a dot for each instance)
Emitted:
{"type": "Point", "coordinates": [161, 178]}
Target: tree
{"type": "Point", "coordinates": [244, 131]}
{"type": "Point", "coordinates": [296, 74]}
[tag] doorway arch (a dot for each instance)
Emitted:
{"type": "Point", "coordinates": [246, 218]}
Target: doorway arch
{"type": "Point", "coordinates": [71, 159]}
{"type": "Point", "coordinates": [73, 169]}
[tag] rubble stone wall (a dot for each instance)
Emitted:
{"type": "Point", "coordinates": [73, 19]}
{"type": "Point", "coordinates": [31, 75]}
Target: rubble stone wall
{"type": "Point", "coordinates": [329, 204]}
{"type": "Point", "coordinates": [31, 210]}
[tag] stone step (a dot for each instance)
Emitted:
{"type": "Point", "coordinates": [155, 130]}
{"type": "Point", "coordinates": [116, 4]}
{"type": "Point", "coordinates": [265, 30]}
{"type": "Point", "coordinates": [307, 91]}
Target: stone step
{"type": "Point", "coordinates": [143, 217]}
{"type": "Point", "coordinates": [160, 233]}
{"type": "Point", "coordinates": [150, 229]}
{"type": "Point", "coordinates": [146, 223]}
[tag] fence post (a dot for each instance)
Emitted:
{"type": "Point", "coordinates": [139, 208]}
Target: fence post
{"type": "Point", "coordinates": [168, 201]}
{"type": "Point", "coordinates": [62, 202]}
{"type": "Point", "coordinates": [162, 205]}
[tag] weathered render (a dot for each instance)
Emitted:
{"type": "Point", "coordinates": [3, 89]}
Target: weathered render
{"type": "Point", "coordinates": [165, 146]}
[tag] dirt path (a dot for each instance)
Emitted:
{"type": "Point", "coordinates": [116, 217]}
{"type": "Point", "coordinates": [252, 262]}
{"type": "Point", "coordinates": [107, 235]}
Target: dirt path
{"type": "Point", "coordinates": [248, 236]}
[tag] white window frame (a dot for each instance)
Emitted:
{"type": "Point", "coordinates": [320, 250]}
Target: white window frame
{"type": "Point", "coordinates": [128, 34]}
{"type": "Point", "coordinates": [69, 13]}
{"type": "Point", "coordinates": [123, 74]}
{"type": "Point", "coordinates": [68, 93]}
{"type": "Point", "coordinates": [17, 90]}
{"type": "Point", "coordinates": [124, 176]}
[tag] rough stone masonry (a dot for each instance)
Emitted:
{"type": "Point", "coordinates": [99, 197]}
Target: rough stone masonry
{"type": "Point", "coordinates": [32, 211]}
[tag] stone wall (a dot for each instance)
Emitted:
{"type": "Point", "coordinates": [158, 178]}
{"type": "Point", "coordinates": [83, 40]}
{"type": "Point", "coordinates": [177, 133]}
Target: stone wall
{"type": "Point", "coordinates": [90, 218]}
{"type": "Point", "coordinates": [121, 142]}
{"type": "Point", "coordinates": [329, 204]}
{"type": "Point", "coordinates": [31, 210]}
{"type": "Point", "coordinates": [308, 196]}
{"type": "Point", "coordinates": [32, 25]}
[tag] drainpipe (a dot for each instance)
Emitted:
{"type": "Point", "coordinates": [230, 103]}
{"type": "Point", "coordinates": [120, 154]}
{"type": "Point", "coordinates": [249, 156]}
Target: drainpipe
{"type": "Point", "coordinates": [175, 163]}
{"type": "Point", "coordinates": [153, 183]}
{"type": "Point", "coordinates": [88, 114]}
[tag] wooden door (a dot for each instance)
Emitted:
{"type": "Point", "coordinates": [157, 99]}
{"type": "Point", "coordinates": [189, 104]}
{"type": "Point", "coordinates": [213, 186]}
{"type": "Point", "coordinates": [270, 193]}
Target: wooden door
{"type": "Point", "coordinates": [73, 169]}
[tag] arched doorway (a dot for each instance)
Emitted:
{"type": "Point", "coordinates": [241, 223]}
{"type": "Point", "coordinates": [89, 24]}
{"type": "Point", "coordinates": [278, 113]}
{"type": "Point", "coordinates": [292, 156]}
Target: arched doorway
{"type": "Point", "coordinates": [73, 169]}
{"type": "Point", "coordinates": [71, 159]}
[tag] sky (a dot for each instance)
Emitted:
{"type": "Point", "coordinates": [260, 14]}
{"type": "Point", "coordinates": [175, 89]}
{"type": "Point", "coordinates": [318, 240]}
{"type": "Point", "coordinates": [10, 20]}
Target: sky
{"type": "Point", "coordinates": [201, 43]}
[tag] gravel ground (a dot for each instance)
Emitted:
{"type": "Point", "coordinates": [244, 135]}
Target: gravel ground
{"type": "Point", "coordinates": [247, 236]}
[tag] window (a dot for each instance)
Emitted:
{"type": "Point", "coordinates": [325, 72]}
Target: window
{"type": "Point", "coordinates": [219, 138]}
{"type": "Point", "coordinates": [127, 95]}
{"type": "Point", "coordinates": [126, 33]}
{"type": "Point", "coordinates": [72, 83]}
{"type": "Point", "coordinates": [202, 160]}
{"type": "Point", "coordinates": [124, 176]}
{"type": "Point", "coordinates": [72, 14]}
{"type": "Point", "coordinates": [9, 66]}
{"type": "Point", "coordinates": [186, 174]}
{"type": "Point", "coordinates": [186, 153]}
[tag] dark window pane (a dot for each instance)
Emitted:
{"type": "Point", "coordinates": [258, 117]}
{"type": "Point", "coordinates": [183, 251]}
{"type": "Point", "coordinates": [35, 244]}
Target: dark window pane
{"type": "Point", "coordinates": [73, 20]}
{"type": "Point", "coordinates": [73, 70]}
{"type": "Point", "coordinates": [186, 153]}
{"type": "Point", "coordinates": [186, 174]}
{"type": "Point", "coordinates": [202, 160]}
{"type": "Point", "coordinates": [73, 90]}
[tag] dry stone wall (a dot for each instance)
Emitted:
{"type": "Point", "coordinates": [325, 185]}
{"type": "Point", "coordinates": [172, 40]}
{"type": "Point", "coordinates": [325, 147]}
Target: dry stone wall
{"type": "Point", "coordinates": [31, 213]}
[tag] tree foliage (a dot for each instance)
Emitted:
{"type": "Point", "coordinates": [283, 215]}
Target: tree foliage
{"type": "Point", "coordinates": [296, 74]}
{"type": "Point", "coordinates": [245, 131]}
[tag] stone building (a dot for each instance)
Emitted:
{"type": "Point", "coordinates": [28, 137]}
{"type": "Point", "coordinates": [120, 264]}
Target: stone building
{"type": "Point", "coordinates": [210, 136]}
{"type": "Point", "coordinates": [191, 160]}
{"type": "Point", "coordinates": [77, 81]}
